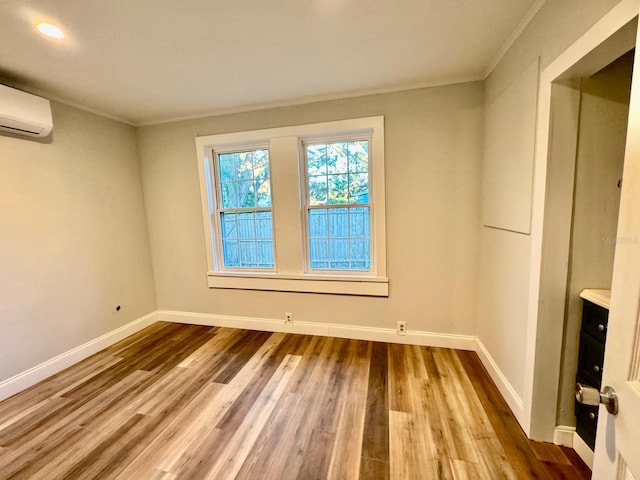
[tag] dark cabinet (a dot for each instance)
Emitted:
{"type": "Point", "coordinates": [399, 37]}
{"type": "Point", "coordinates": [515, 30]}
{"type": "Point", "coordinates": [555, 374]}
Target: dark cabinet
{"type": "Point", "coordinates": [593, 334]}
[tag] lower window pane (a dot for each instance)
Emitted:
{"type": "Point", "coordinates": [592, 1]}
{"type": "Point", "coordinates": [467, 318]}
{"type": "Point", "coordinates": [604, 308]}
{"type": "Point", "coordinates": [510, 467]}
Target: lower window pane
{"type": "Point", "coordinates": [339, 254]}
{"type": "Point", "coordinates": [229, 227]}
{"type": "Point", "coordinates": [265, 254]}
{"type": "Point", "coordinates": [263, 225]}
{"type": "Point", "coordinates": [359, 249]}
{"type": "Point", "coordinates": [359, 221]}
{"type": "Point", "coordinates": [339, 222]}
{"type": "Point", "coordinates": [248, 256]}
{"type": "Point", "coordinates": [230, 253]}
{"type": "Point", "coordinates": [339, 238]}
{"type": "Point", "coordinates": [247, 239]}
{"type": "Point", "coordinates": [318, 223]}
{"type": "Point", "coordinates": [246, 225]}
{"type": "Point", "coordinates": [319, 254]}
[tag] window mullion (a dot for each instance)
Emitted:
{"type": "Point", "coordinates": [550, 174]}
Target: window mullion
{"type": "Point", "coordinates": [287, 211]}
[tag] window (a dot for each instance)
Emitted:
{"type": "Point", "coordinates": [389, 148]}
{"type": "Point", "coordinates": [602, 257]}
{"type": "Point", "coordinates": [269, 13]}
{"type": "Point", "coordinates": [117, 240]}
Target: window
{"type": "Point", "coordinates": [244, 213]}
{"type": "Point", "coordinates": [296, 208]}
{"type": "Point", "coordinates": [337, 203]}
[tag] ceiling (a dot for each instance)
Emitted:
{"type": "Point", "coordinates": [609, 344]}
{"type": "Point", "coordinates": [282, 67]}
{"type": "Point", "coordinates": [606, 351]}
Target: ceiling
{"type": "Point", "coordinates": [145, 61]}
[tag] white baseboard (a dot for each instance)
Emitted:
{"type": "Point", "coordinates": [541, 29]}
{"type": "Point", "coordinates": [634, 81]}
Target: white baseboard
{"type": "Point", "coordinates": [460, 342]}
{"type": "Point", "coordinates": [26, 379]}
{"type": "Point", "coordinates": [563, 435]}
{"type": "Point", "coordinates": [583, 450]}
{"type": "Point", "coordinates": [568, 437]}
{"type": "Point", "coordinates": [506, 389]}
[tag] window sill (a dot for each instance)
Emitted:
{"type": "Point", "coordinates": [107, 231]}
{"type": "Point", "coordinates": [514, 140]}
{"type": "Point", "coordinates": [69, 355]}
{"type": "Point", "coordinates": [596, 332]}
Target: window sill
{"type": "Point", "coordinates": [333, 284]}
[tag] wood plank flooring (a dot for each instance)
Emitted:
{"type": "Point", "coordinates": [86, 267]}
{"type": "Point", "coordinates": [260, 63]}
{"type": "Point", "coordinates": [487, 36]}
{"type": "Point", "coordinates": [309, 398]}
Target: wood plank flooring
{"type": "Point", "coordinates": [191, 402]}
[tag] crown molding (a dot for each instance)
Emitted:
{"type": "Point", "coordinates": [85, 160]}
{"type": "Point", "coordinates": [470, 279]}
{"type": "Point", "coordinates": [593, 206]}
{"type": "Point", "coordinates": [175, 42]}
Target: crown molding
{"type": "Point", "coordinates": [524, 23]}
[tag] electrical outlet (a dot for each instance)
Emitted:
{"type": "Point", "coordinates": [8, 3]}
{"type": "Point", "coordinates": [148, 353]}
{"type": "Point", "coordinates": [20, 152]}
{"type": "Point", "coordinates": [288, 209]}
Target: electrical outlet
{"type": "Point", "coordinates": [288, 317]}
{"type": "Point", "coordinates": [402, 327]}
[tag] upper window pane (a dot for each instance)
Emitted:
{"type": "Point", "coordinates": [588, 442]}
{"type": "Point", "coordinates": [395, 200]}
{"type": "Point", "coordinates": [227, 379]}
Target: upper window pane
{"type": "Point", "coordinates": [338, 172]}
{"type": "Point", "coordinates": [245, 179]}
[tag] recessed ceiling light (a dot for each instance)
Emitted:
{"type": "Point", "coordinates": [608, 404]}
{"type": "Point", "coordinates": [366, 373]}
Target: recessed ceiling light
{"type": "Point", "coordinates": [50, 30]}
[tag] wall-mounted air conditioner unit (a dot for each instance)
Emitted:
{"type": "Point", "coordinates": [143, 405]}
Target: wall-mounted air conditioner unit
{"type": "Point", "coordinates": [24, 114]}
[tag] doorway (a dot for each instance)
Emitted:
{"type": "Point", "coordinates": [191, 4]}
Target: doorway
{"type": "Point", "coordinates": [601, 138]}
{"type": "Point", "coordinates": [557, 142]}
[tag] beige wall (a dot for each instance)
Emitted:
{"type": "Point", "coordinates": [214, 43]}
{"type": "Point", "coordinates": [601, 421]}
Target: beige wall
{"type": "Point", "coordinates": [73, 238]}
{"type": "Point", "coordinates": [433, 148]}
{"type": "Point", "coordinates": [556, 26]}
{"type": "Point", "coordinates": [604, 113]}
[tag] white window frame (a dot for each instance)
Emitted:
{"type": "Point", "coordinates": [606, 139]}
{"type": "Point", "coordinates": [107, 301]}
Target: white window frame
{"type": "Point", "coordinates": [287, 165]}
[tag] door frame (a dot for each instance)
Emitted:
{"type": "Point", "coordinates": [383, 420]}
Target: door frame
{"type": "Point", "coordinates": [553, 183]}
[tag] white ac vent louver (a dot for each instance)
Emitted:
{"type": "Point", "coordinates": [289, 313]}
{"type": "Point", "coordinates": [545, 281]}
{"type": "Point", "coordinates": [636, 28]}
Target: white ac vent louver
{"type": "Point", "coordinates": [22, 113]}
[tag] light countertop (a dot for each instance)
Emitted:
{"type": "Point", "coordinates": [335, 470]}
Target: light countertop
{"type": "Point", "coordinates": [598, 296]}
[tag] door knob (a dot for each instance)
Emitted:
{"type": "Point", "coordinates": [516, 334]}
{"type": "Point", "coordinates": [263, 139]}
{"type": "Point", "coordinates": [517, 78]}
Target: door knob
{"type": "Point", "coordinates": [590, 396]}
